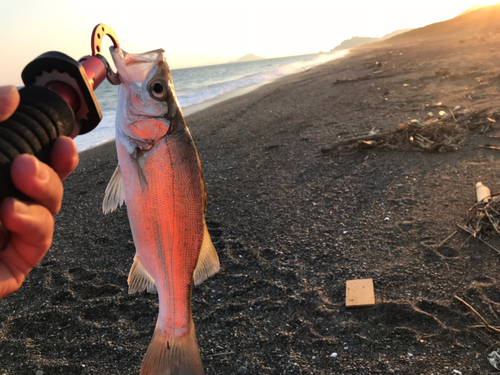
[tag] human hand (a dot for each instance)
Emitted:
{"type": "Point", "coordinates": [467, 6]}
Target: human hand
{"type": "Point", "coordinates": [31, 223]}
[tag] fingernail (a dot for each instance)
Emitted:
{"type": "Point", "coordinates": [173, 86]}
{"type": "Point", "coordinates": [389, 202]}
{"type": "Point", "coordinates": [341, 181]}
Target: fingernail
{"type": "Point", "coordinates": [41, 173]}
{"type": "Point", "coordinates": [20, 208]}
{"type": "Point", "coordinates": [6, 91]}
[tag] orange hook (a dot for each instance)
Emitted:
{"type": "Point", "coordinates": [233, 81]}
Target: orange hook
{"type": "Point", "coordinates": [99, 32]}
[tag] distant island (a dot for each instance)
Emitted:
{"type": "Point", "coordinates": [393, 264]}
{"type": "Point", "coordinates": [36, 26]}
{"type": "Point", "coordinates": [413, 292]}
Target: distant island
{"type": "Point", "coordinates": [248, 57]}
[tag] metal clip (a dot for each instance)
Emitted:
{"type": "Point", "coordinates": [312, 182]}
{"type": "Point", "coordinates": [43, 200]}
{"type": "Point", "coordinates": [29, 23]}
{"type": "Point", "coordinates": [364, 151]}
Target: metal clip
{"type": "Point", "coordinates": [99, 32]}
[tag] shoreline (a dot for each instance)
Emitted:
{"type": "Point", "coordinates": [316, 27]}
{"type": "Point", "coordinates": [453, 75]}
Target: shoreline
{"type": "Point", "coordinates": [192, 109]}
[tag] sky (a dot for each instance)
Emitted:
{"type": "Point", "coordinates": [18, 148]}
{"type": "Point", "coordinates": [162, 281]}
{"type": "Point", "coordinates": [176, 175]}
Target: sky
{"type": "Point", "coordinates": [200, 32]}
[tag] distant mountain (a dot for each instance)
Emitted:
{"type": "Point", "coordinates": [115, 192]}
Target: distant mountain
{"type": "Point", "coordinates": [465, 25]}
{"type": "Point", "coordinates": [394, 33]}
{"type": "Point", "coordinates": [249, 57]}
{"type": "Point", "coordinates": [471, 9]}
{"type": "Point", "coordinates": [354, 42]}
{"type": "Point", "coordinates": [471, 22]}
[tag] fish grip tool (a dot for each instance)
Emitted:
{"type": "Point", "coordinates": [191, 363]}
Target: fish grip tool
{"type": "Point", "coordinates": [58, 99]}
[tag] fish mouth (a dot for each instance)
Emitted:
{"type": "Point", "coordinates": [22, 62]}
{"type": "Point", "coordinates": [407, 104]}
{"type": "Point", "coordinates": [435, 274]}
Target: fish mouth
{"type": "Point", "coordinates": [135, 67]}
{"type": "Point", "coordinates": [136, 62]}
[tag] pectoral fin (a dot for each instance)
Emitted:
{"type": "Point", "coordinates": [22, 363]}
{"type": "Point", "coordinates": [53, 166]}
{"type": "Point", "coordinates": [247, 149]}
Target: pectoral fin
{"type": "Point", "coordinates": [208, 260]}
{"type": "Point", "coordinates": [139, 279]}
{"type": "Point", "coordinates": [114, 196]}
{"type": "Point", "coordinates": [139, 159]}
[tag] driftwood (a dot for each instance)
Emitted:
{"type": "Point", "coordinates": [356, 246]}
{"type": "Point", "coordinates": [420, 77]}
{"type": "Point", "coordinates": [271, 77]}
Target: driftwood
{"type": "Point", "coordinates": [490, 147]}
{"type": "Point", "coordinates": [360, 138]}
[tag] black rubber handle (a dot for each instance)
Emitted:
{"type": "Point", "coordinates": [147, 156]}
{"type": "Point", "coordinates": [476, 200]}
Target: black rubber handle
{"type": "Point", "coordinates": [41, 117]}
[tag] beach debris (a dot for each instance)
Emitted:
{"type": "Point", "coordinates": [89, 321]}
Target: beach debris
{"type": "Point", "coordinates": [333, 355]}
{"type": "Point", "coordinates": [434, 134]}
{"type": "Point", "coordinates": [359, 293]}
{"type": "Point", "coordinates": [484, 217]}
{"type": "Point", "coordinates": [242, 370]}
{"type": "Point", "coordinates": [445, 240]}
{"type": "Point", "coordinates": [457, 372]}
{"type": "Point", "coordinates": [483, 193]}
{"type": "Point", "coordinates": [465, 229]}
{"type": "Point", "coordinates": [486, 324]}
{"type": "Point", "coordinates": [494, 359]}
{"type": "Point", "coordinates": [490, 147]}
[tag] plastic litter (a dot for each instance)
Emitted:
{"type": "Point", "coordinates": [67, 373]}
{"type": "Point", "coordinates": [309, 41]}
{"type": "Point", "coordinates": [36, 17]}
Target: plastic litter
{"type": "Point", "coordinates": [483, 193]}
{"type": "Point", "coordinates": [333, 355]}
{"type": "Point", "coordinates": [494, 358]}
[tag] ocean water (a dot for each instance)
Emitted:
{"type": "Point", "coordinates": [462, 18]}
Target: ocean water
{"type": "Point", "coordinates": [197, 85]}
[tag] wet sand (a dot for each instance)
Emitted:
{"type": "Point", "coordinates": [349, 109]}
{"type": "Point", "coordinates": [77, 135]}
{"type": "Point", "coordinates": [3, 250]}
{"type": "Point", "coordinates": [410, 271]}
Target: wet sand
{"type": "Point", "coordinates": [291, 226]}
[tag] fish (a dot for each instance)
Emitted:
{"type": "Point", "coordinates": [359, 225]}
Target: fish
{"type": "Point", "coordinates": [159, 178]}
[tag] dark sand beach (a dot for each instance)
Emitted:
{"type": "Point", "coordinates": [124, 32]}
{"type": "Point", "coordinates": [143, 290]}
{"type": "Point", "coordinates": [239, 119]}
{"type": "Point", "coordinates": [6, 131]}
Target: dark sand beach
{"type": "Point", "coordinates": [291, 225]}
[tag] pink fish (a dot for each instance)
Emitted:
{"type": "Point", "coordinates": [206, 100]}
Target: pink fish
{"type": "Point", "coordinates": [160, 179]}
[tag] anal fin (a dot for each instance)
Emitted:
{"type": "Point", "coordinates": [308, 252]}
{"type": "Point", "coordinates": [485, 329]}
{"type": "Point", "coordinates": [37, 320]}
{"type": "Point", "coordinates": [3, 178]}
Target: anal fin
{"type": "Point", "coordinates": [139, 279]}
{"type": "Point", "coordinates": [114, 196]}
{"type": "Point", "coordinates": [208, 260]}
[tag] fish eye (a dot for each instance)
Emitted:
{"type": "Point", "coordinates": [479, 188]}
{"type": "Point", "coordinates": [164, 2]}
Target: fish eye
{"type": "Point", "coordinates": [157, 89]}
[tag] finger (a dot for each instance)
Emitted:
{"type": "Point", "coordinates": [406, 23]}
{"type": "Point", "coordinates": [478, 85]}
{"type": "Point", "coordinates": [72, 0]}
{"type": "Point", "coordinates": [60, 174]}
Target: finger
{"type": "Point", "coordinates": [9, 101]}
{"type": "Point", "coordinates": [31, 227]}
{"type": "Point", "coordinates": [38, 181]}
{"type": "Point", "coordinates": [64, 157]}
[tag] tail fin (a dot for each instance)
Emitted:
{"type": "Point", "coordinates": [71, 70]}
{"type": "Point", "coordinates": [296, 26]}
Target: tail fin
{"type": "Point", "coordinates": [172, 355]}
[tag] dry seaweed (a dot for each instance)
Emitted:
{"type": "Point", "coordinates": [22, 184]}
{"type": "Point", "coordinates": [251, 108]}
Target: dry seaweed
{"type": "Point", "coordinates": [438, 134]}
{"type": "Point", "coordinates": [484, 217]}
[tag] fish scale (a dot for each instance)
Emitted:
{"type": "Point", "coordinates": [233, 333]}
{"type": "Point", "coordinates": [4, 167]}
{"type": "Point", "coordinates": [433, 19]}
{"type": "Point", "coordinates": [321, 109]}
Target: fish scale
{"type": "Point", "coordinates": [159, 178]}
